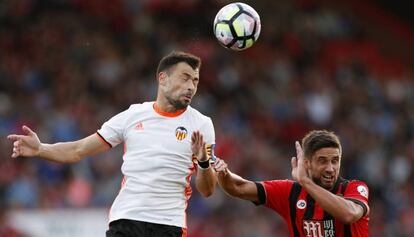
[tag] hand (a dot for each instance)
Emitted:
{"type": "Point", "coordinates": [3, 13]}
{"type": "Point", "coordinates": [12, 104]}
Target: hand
{"type": "Point", "coordinates": [299, 168]}
{"type": "Point", "coordinates": [220, 167]}
{"type": "Point", "coordinates": [25, 145]}
{"type": "Point", "coordinates": [198, 146]}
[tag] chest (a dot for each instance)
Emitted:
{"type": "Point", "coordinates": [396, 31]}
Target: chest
{"type": "Point", "coordinates": [314, 221]}
{"type": "Point", "coordinates": [160, 134]}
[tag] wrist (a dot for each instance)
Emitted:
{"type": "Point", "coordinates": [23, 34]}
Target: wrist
{"type": "Point", "coordinates": [200, 159]}
{"type": "Point", "coordinates": [225, 173]}
{"type": "Point", "coordinates": [305, 181]}
{"type": "Point", "coordinates": [41, 150]}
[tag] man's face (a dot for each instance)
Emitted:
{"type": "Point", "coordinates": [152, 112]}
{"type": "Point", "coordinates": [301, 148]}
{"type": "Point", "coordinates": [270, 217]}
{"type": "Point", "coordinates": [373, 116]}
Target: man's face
{"type": "Point", "coordinates": [324, 167]}
{"type": "Point", "coordinates": [179, 84]}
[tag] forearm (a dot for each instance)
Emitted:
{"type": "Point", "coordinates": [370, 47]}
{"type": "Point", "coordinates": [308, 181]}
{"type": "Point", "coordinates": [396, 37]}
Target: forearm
{"type": "Point", "coordinates": [236, 186]}
{"type": "Point", "coordinates": [229, 183]}
{"type": "Point", "coordinates": [340, 208]}
{"type": "Point", "coordinates": [62, 152]}
{"type": "Point", "coordinates": [206, 181]}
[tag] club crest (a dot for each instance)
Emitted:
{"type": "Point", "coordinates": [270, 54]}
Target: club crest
{"type": "Point", "coordinates": [181, 133]}
{"type": "Point", "coordinates": [301, 204]}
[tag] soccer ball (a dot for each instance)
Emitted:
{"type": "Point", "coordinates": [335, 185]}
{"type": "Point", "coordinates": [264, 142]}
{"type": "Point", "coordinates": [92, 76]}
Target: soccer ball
{"type": "Point", "coordinates": [237, 26]}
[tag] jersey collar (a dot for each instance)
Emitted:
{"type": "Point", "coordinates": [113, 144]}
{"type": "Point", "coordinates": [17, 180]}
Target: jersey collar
{"type": "Point", "coordinates": [167, 114]}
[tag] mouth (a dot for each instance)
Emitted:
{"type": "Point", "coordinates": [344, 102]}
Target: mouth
{"type": "Point", "coordinates": [188, 97]}
{"type": "Point", "coordinates": [326, 178]}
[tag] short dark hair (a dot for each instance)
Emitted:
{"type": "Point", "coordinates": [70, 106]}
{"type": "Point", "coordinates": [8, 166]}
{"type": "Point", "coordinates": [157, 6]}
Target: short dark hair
{"type": "Point", "coordinates": [176, 57]}
{"type": "Point", "coordinates": [317, 139]}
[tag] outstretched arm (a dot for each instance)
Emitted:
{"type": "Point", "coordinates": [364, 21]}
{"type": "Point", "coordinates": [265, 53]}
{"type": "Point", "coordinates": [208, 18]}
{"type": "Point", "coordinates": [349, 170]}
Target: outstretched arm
{"type": "Point", "coordinates": [63, 152]}
{"type": "Point", "coordinates": [233, 184]}
{"type": "Point", "coordinates": [206, 178]}
{"type": "Point", "coordinates": [345, 210]}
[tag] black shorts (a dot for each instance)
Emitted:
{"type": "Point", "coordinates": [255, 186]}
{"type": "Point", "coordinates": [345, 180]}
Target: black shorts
{"type": "Point", "coordinates": [131, 228]}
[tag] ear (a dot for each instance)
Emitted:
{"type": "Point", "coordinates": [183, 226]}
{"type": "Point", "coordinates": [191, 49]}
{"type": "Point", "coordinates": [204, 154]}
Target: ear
{"type": "Point", "coordinates": [162, 78]}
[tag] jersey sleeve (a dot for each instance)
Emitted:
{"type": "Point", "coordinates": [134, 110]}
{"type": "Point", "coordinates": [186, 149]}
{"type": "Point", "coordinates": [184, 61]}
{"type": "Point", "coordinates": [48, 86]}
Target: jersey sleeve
{"type": "Point", "coordinates": [112, 131]}
{"type": "Point", "coordinates": [357, 192]}
{"type": "Point", "coordinates": [276, 194]}
{"type": "Point", "coordinates": [209, 137]}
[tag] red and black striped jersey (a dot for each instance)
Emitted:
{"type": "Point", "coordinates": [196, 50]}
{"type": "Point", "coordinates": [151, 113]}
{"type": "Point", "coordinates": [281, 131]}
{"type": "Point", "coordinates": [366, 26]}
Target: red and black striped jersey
{"type": "Point", "coordinates": [305, 217]}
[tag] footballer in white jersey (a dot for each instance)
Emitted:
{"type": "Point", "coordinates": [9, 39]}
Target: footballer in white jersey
{"type": "Point", "coordinates": [157, 162]}
{"type": "Point", "coordinates": [163, 140]}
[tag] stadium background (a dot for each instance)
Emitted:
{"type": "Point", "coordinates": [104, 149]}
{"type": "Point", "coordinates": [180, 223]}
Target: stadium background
{"type": "Point", "coordinates": [66, 66]}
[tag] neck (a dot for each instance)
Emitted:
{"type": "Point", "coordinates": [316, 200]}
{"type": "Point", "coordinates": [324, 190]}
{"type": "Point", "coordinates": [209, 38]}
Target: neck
{"type": "Point", "coordinates": [165, 106]}
{"type": "Point", "coordinates": [167, 113]}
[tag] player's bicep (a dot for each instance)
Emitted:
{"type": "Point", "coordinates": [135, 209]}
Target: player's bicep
{"type": "Point", "coordinates": [92, 145]}
{"type": "Point", "coordinates": [361, 209]}
{"type": "Point", "coordinates": [357, 192]}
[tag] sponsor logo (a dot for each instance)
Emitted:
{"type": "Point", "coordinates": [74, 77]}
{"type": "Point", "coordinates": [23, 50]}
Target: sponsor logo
{"type": "Point", "coordinates": [314, 228]}
{"type": "Point", "coordinates": [181, 133]}
{"type": "Point", "coordinates": [301, 204]}
{"type": "Point", "coordinates": [139, 126]}
{"type": "Point", "coordinates": [363, 191]}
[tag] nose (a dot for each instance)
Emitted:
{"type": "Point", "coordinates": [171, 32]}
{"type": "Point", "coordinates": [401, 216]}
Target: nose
{"type": "Point", "coordinates": [330, 167]}
{"type": "Point", "coordinates": [190, 86]}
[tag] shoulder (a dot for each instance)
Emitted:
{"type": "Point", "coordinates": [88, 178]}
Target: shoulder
{"type": "Point", "coordinates": [357, 191]}
{"type": "Point", "coordinates": [278, 185]}
{"type": "Point", "coordinates": [356, 183]}
{"type": "Point", "coordinates": [276, 194]}
{"type": "Point", "coordinates": [357, 187]}
{"type": "Point", "coordinates": [279, 182]}
{"type": "Point", "coordinates": [138, 109]}
{"type": "Point", "coordinates": [132, 111]}
{"type": "Point", "coordinates": [353, 181]}
{"type": "Point", "coordinates": [140, 106]}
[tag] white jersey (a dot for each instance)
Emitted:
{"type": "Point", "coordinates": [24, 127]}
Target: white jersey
{"type": "Point", "coordinates": [157, 162]}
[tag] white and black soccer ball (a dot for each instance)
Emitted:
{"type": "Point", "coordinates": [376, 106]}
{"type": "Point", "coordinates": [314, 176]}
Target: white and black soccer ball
{"type": "Point", "coordinates": [237, 26]}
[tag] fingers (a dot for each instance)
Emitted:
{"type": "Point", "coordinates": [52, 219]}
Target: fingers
{"type": "Point", "coordinates": [299, 150]}
{"type": "Point", "coordinates": [294, 162]}
{"type": "Point", "coordinates": [16, 149]}
{"type": "Point", "coordinates": [220, 165]}
{"type": "Point", "coordinates": [194, 136]}
{"type": "Point", "coordinates": [197, 138]}
{"type": "Point", "coordinates": [203, 148]}
{"type": "Point", "coordinates": [16, 144]}
{"type": "Point", "coordinates": [201, 141]}
{"type": "Point", "coordinates": [15, 154]}
{"type": "Point", "coordinates": [15, 137]}
{"type": "Point", "coordinates": [19, 141]}
{"type": "Point", "coordinates": [297, 146]}
{"type": "Point", "coordinates": [27, 130]}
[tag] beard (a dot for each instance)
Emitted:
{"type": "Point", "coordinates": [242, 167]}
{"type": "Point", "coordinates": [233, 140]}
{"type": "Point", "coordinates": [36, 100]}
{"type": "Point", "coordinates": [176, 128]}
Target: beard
{"type": "Point", "coordinates": [319, 182]}
{"type": "Point", "coordinates": [177, 104]}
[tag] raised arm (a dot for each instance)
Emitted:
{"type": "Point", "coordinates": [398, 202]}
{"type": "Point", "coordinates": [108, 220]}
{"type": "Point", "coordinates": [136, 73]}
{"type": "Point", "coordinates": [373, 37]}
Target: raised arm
{"type": "Point", "coordinates": [345, 210]}
{"type": "Point", "coordinates": [29, 145]}
{"type": "Point", "coordinates": [205, 178]}
{"type": "Point", "coordinates": [233, 184]}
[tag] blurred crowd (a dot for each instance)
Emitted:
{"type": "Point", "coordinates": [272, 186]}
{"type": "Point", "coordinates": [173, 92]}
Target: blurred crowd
{"type": "Point", "coordinates": [67, 66]}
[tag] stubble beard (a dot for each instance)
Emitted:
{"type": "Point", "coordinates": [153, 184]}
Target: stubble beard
{"type": "Point", "coordinates": [319, 182]}
{"type": "Point", "coordinates": [177, 104]}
